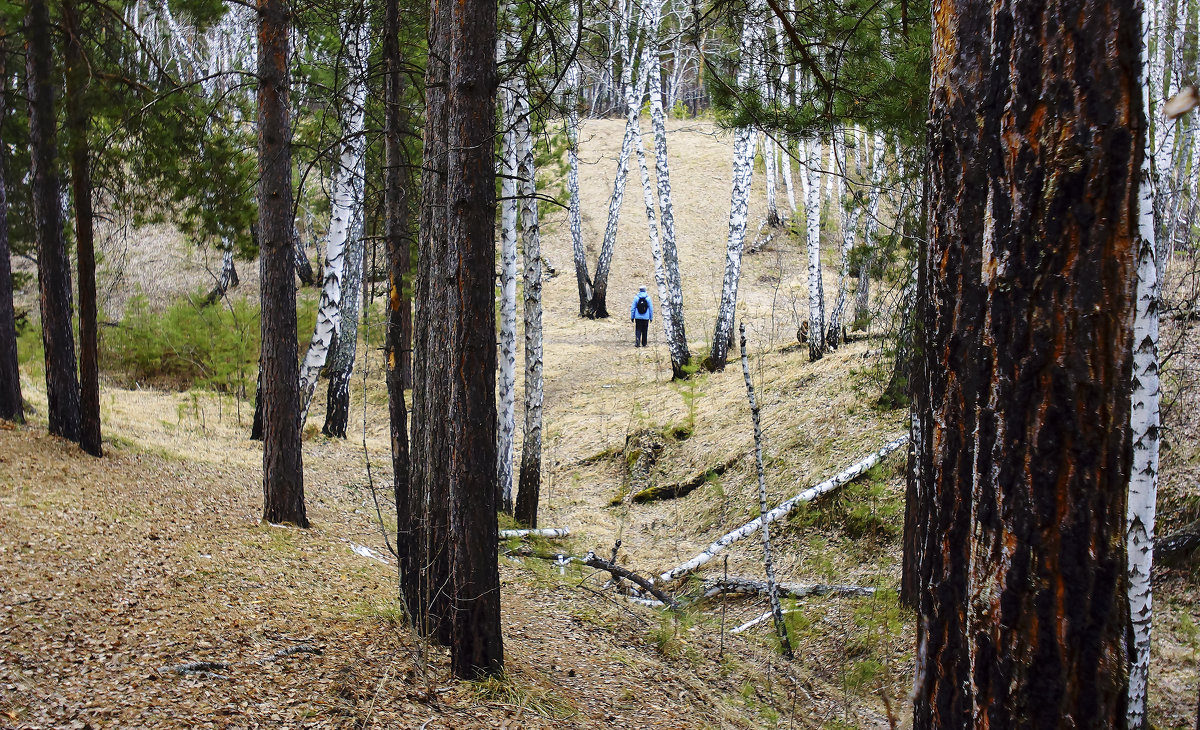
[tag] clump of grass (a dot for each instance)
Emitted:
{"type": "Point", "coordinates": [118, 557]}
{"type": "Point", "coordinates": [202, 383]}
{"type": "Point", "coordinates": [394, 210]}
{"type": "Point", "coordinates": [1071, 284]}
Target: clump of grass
{"type": "Point", "coordinates": [505, 690]}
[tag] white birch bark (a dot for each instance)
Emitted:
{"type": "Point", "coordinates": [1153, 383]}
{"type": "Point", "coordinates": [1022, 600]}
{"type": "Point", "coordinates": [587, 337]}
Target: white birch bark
{"type": "Point", "coordinates": [345, 199]}
{"type": "Point", "coordinates": [812, 220]}
{"type": "Point", "coordinates": [633, 96]}
{"type": "Point", "coordinates": [849, 229]}
{"type": "Point", "coordinates": [768, 148]}
{"type": "Point", "coordinates": [846, 475]}
{"type": "Point", "coordinates": [531, 444]}
{"type": "Point", "coordinates": [1144, 423]}
{"type": "Point", "coordinates": [862, 304]}
{"type": "Point", "coordinates": [506, 379]}
{"type": "Point", "coordinates": [546, 532]}
{"type": "Point", "coordinates": [739, 204]}
{"type": "Point", "coordinates": [583, 280]}
{"type": "Point", "coordinates": [768, 565]}
{"type": "Point", "coordinates": [673, 301]}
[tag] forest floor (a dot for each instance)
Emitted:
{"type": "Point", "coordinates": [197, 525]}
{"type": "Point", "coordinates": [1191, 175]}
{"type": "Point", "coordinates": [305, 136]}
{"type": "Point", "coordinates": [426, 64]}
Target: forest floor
{"type": "Point", "coordinates": [115, 571]}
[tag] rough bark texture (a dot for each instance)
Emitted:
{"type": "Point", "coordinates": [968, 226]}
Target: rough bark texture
{"type": "Point", "coordinates": [427, 590]}
{"type": "Point", "coordinates": [476, 648]}
{"type": "Point", "coordinates": [11, 404]}
{"type": "Point", "coordinates": [85, 239]}
{"type": "Point", "coordinates": [1026, 454]}
{"type": "Point", "coordinates": [345, 348]}
{"type": "Point", "coordinates": [862, 295]}
{"type": "Point", "coordinates": [283, 471]}
{"type": "Point", "coordinates": [54, 268]}
{"type": "Point", "coordinates": [583, 281]}
{"type": "Point", "coordinates": [226, 280]}
{"type": "Point", "coordinates": [531, 443]}
{"type": "Point", "coordinates": [1144, 425]}
{"type": "Point", "coordinates": [507, 380]}
{"type": "Point", "coordinates": [396, 184]}
{"type": "Point", "coordinates": [812, 223]}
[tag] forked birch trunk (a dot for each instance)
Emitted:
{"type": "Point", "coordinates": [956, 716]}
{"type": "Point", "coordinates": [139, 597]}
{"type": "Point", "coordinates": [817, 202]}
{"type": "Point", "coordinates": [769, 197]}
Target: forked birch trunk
{"type": "Point", "coordinates": [768, 565]}
{"type": "Point", "coordinates": [583, 280]}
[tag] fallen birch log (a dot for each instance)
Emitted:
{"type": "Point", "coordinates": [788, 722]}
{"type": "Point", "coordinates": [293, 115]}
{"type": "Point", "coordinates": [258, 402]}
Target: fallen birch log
{"type": "Point", "coordinates": [760, 620]}
{"type": "Point", "coordinates": [747, 586]}
{"type": "Point", "coordinates": [846, 475]}
{"type": "Point", "coordinates": [548, 532]}
{"type": "Point", "coordinates": [684, 488]}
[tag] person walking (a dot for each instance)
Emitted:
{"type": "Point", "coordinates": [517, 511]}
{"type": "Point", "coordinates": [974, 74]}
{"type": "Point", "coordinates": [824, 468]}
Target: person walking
{"type": "Point", "coordinates": [641, 313]}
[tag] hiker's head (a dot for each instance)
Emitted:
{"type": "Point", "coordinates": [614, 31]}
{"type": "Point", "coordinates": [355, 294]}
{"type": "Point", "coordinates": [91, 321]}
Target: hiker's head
{"type": "Point", "coordinates": [641, 290]}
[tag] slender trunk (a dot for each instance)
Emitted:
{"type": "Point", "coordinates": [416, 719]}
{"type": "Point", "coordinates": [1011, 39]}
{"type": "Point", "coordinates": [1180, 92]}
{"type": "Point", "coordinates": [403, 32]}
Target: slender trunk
{"type": "Point", "coordinates": [85, 239]}
{"type": "Point", "coordinates": [283, 470]}
{"type": "Point", "coordinates": [583, 280]}
{"type": "Point", "coordinates": [396, 183]}
{"type": "Point", "coordinates": [54, 267]}
{"type": "Point", "coordinates": [304, 269]}
{"type": "Point", "coordinates": [812, 220]}
{"type": "Point", "coordinates": [833, 332]}
{"type": "Point", "coordinates": [507, 382]}
{"type": "Point", "coordinates": [772, 592]}
{"type": "Point", "coordinates": [428, 590]}
{"type": "Point", "coordinates": [227, 279]}
{"type": "Point", "coordinates": [677, 338]}
{"type": "Point", "coordinates": [862, 296]}
{"type": "Point", "coordinates": [1033, 229]}
{"type": "Point", "coordinates": [476, 648]}
{"type": "Point", "coordinates": [1144, 425]}
{"type": "Point", "coordinates": [531, 444]}
{"type": "Point", "coordinates": [769, 150]}
{"type": "Point", "coordinates": [739, 204]}
{"type": "Point", "coordinates": [341, 366]}
{"type": "Point", "coordinates": [11, 402]}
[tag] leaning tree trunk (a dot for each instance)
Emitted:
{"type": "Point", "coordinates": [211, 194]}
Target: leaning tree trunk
{"type": "Point", "coordinates": [1033, 227]}
{"type": "Point", "coordinates": [227, 279]}
{"type": "Point", "coordinates": [739, 206]}
{"type": "Point", "coordinates": [469, 324]}
{"type": "Point", "coordinates": [531, 444]}
{"type": "Point", "coordinates": [344, 204]}
{"type": "Point", "coordinates": [427, 591]}
{"type": "Point", "coordinates": [507, 381]}
{"type": "Point", "coordinates": [397, 181]}
{"type": "Point", "coordinates": [54, 267]}
{"type": "Point", "coordinates": [812, 221]}
{"type": "Point", "coordinates": [677, 338]}
{"type": "Point", "coordinates": [341, 366]}
{"type": "Point", "coordinates": [85, 239]}
{"type": "Point", "coordinates": [283, 470]}
{"type": "Point", "coordinates": [1144, 425]}
{"type": "Point", "coordinates": [11, 403]}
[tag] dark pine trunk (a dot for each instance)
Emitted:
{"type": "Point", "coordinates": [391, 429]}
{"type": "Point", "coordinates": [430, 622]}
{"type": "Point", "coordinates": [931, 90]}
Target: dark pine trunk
{"type": "Point", "coordinates": [1026, 450]}
{"type": "Point", "coordinates": [81, 191]}
{"type": "Point", "coordinates": [398, 239]}
{"type": "Point", "coordinates": [428, 590]}
{"type": "Point", "coordinates": [54, 267]}
{"type": "Point", "coordinates": [256, 427]}
{"type": "Point", "coordinates": [11, 404]}
{"type": "Point", "coordinates": [529, 490]}
{"type": "Point", "coordinates": [283, 471]}
{"type": "Point", "coordinates": [477, 648]}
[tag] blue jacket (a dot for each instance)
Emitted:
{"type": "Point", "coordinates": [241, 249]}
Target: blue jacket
{"type": "Point", "coordinates": [633, 313]}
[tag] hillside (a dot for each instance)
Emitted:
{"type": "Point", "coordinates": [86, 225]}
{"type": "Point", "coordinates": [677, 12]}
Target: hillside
{"type": "Point", "coordinates": [117, 570]}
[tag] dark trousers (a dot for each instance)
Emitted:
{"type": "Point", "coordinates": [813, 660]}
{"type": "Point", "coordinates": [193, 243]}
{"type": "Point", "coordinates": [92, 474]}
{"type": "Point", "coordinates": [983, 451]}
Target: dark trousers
{"type": "Point", "coordinates": [641, 327]}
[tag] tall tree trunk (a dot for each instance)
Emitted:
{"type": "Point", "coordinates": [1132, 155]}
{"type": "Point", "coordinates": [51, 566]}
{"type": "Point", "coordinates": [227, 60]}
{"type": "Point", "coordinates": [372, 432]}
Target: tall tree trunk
{"type": "Point", "coordinates": [812, 222]}
{"type": "Point", "coordinates": [470, 323]}
{"type": "Point", "coordinates": [11, 402]}
{"type": "Point", "coordinates": [428, 590]}
{"type": "Point", "coordinates": [531, 444]}
{"type": "Point", "coordinates": [507, 381]}
{"type": "Point", "coordinates": [397, 181]}
{"type": "Point", "coordinates": [227, 278]}
{"type": "Point", "coordinates": [677, 337]}
{"type": "Point", "coordinates": [739, 206]}
{"type": "Point", "coordinates": [833, 331]}
{"type": "Point", "coordinates": [583, 281]}
{"type": "Point", "coordinates": [862, 295]}
{"type": "Point", "coordinates": [304, 270]}
{"type": "Point", "coordinates": [283, 469]}
{"type": "Point", "coordinates": [1144, 425]}
{"type": "Point", "coordinates": [85, 239]}
{"type": "Point", "coordinates": [54, 267]}
{"type": "Point", "coordinates": [1033, 230]}
{"type": "Point", "coordinates": [341, 367]}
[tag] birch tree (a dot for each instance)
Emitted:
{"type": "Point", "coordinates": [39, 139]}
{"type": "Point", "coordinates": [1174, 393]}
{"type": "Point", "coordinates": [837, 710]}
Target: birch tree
{"type": "Point", "coordinates": [506, 391]}
{"type": "Point", "coordinates": [1032, 247]}
{"type": "Point", "coordinates": [582, 280]}
{"type": "Point", "coordinates": [862, 295]}
{"type": "Point", "coordinates": [833, 333]}
{"type": "Point", "coordinates": [739, 204]}
{"type": "Point", "coordinates": [812, 224]}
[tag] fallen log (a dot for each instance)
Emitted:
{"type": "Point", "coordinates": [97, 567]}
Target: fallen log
{"type": "Point", "coordinates": [761, 619]}
{"type": "Point", "coordinates": [1176, 548]}
{"type": "Point", "coordinates": [747, 586]}
{"type": "Point", "coordinates": [548, 532]}
{"type": "Point", "coordinates": [684, 488]}
{"type": "Point", "coordinates": [204, 669]}
{"type": "Point", "coordinates": [846, 475]}
{"type": "Point", "coordinates": [593, 561]}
